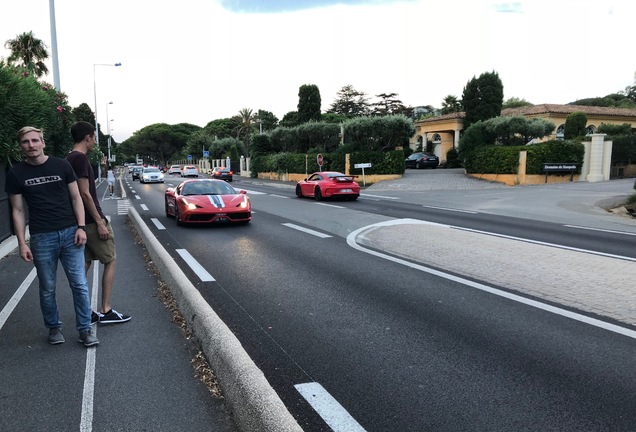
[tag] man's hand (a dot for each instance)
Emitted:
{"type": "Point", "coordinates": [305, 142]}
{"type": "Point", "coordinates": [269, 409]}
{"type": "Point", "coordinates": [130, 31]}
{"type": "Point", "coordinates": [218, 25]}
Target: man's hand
{"type": "Point", "coordinates": [80, 237]}
{"type": "Point", "coordinates": [25, 252]}
{"type": "Point", "coordinates": [102, 230]}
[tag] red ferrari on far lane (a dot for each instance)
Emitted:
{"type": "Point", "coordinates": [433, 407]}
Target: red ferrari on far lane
{"type": "Point", "coordinates": [203, 201]}
{"type": "Point", "coordinates": [327, 184]}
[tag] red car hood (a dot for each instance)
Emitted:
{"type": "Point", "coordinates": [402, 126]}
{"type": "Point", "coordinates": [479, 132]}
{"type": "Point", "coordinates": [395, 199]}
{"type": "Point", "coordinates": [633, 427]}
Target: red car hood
{"type": "Point", "coordinates": [217, 201]}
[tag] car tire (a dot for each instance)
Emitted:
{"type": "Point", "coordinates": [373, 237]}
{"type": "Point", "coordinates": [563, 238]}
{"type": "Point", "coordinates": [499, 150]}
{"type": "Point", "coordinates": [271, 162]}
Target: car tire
{"type": "Point", "coordinates": [417, 165]}
{"type": "Point", "coordinates": [168, 215]}
{"type": "Point", "coordinates": [176, 215]}
{"type": "Point", "coordinates": [317, 194]}
{"type": "Point", "coordinates": [299, 191]}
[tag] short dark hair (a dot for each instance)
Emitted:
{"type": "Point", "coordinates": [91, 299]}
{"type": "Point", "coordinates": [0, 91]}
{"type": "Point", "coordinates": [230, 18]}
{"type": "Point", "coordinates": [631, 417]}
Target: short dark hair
{"type": "Point", "coordinates": [80, 129]}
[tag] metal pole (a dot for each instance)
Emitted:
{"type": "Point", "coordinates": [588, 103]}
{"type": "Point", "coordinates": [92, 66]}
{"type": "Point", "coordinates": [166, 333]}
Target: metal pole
{"type": "Point", "coordinates": [56, 66]}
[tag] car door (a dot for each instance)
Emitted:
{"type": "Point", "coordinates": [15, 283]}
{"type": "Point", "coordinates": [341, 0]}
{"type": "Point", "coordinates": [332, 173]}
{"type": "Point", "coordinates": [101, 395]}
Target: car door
{"type": "Point", "coordinates": [310, 186]}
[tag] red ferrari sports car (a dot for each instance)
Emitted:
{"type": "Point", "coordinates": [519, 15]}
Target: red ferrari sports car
{"type": "Point", "coordinates": [207, 201]}
{"type": "Point", "coordinates": [327, 184]}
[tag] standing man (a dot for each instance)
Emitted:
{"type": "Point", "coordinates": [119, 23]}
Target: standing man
{"type": "Point", "coordinates": [100, 238]}
{"type": "Point", "coordinates": [56, 224]}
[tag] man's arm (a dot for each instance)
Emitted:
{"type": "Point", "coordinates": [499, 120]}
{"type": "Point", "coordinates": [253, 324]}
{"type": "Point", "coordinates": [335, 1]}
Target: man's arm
{"type": "Point", "coordinates": [19, 224]}
{"type": "Point", "coordinates": [78, 209]}
{"type": "Point", "coordinates": [89, 204]}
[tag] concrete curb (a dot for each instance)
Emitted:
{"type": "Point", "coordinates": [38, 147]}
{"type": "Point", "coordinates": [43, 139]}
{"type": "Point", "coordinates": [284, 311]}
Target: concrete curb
{"type": "Point", "coordinates": [254, 403]}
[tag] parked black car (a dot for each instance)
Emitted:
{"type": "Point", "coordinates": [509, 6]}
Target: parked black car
{"type": "Point", "coordinates": [422, 160]}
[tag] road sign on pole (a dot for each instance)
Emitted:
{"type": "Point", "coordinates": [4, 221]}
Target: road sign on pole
{"type": "Point", "coordinates": [319, 160]}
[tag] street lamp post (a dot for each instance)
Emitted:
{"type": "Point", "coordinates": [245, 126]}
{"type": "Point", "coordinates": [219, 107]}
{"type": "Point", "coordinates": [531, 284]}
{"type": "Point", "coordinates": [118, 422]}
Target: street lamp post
{"type": "Point", "coordinates": [108, 129]}
{"type": "Point", "coordinates": [95, 96]}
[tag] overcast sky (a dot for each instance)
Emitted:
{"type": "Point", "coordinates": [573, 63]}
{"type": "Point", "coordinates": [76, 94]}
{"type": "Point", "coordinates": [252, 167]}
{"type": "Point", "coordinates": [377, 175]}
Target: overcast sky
{"type": "Point", "coordinates": [193, 61]}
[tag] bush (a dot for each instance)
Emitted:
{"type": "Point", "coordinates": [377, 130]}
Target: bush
{"type": "Point", "coordinates": [452, 159]}
{"type": "Point", "coordinates": [505, 160]}
{"type": "Point", "coordinates": [24, 101]}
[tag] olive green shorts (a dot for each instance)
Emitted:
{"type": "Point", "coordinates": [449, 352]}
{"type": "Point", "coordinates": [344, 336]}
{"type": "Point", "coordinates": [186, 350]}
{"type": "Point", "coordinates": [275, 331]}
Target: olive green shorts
{"type": "Point", "coordinates": [98, 249]}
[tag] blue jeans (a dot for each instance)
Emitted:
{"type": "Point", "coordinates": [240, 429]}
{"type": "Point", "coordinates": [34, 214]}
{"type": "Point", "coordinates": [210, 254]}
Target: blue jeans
{"type": "Point", "coordinates": [47, 249]}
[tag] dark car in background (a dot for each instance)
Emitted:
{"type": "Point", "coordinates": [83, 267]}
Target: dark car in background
{"type": "Point", "coordinates": [136, 172]}
{"type": "Point", "coordinates": [222, 173]}
{"type": "Point", "coordinates": [422, 160]}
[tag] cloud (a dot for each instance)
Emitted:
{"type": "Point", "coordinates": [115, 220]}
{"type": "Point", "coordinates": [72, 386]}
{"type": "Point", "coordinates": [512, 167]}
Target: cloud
{"type": "Point", "coordinates": [276, 6]}
{"type": "Point", "coordinates": [514, 7]}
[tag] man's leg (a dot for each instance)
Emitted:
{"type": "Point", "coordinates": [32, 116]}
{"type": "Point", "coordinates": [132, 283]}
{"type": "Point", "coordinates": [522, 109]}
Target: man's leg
{"type": "Point", "coordinates": [72, 259]}
{"type": "Point", "coordinates": [46, 250]}
{"type": "Point", "coordinates": [108, 279]}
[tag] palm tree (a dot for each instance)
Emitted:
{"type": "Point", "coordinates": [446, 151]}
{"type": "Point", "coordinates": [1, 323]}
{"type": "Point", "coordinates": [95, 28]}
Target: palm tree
{"type": "Point", "coordinates": [246, 117]}
{"type": "Point", "coordinates": [28, 52]}
{"type": "Point", "coordinates": [451, 105]}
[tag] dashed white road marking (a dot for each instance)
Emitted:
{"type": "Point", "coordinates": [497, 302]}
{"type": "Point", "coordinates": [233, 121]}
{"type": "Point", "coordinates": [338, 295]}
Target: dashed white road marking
{"type": "Point", "coordinates": [158, 224]}
{"type": "Point", "coordinates": [144, 207]}
{"type": "Point", "coordinates": [306, 230]}
{"type": "Point", "coordinates": [278, 196]}
{"type": "Point", "coordinates": [195, 266]}
{"type": "Point", "coordinates": [328, 408]}
{"type": "Point", "coordinates": [137, 197]}
{"type": "Point", "coordinates": [330, 205]}
{"type": "Point", "coordinates": [451, 209]}
{"type": "Point", "coordinates": [251, 192]}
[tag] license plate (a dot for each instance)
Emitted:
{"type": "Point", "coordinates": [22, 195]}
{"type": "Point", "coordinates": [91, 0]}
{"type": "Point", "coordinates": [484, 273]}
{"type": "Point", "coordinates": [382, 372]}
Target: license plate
{"type": "Point", "coordinates": [346, 190]}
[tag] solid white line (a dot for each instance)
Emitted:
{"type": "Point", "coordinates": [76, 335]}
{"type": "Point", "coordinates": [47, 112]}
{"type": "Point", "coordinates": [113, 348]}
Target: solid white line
{"type": "Point", "coordinates": [366, 195]}
{"type": "Point", "coordinates": [86, 421]}
{"type": "Point", "coordinates": [278, 196]}
{"type": "Point", "coordinates": [451, 209]}
{"type": "Point", "coordinates": [599, 229]}
{"type": "Point", "coordinates": [306, 230]}
{"type": "Point", "coordinates": [351, 241]}
{"type": "Point", "coordinates": [17, 296]}
{"type": "Point", "coordinates": [328, 408]}
{"type": "Point", "coordinates": [587, 251]}
{"type": "Point", "coordinates": [330, 205]}
{"type": "Point", "coordinates": [144, 207]}
{"type": "Point", "coordinates": [195, 266]}
{"type": "Point", "coordinates": [158, 224]}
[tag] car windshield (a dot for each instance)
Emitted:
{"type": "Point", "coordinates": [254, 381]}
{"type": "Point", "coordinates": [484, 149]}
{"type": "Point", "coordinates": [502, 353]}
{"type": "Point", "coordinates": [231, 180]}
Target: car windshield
{"type": "Point", "coordinates": [151, 170]}
{"type": "Point", "coordinates": [208, 188]}
{"type": "Point", "coordinates": [339, 175]}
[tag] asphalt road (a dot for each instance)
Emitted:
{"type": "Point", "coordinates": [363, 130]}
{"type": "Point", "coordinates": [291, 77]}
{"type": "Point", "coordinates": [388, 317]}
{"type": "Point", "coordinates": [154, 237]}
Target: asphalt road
{"type": "Point", "coordinates": [396, 348]}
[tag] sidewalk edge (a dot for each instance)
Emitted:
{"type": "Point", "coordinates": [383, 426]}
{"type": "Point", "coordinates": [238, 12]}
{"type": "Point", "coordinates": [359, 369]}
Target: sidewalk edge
{"type": "Point", "coordinates": [254, 403]}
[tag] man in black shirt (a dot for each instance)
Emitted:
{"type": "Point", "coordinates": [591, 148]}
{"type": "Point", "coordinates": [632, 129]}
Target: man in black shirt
{"type": "Point", "coordinates": [100, 243]}
{"type": "Point", "coordinates": [56, 226]}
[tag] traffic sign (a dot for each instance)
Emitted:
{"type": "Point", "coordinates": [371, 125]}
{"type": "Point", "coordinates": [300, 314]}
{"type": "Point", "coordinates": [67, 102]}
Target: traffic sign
{"type": "Point", "coordinates": [189, 157]}
{"type": "Point", "coordinates": [206, 153]}
{"type": "Point", "coordinates": [362, 165]}
{"type": "Point", "coordinates": [319, 159]}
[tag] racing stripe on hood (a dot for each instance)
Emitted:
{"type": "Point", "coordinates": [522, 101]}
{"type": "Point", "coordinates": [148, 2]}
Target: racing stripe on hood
{"type": "Point", "coordinates": [216, 201]}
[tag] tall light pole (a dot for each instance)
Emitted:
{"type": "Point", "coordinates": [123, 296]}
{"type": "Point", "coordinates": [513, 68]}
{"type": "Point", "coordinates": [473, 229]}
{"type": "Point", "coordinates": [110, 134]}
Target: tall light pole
{"type": "Point", "coordinates": [95, 96]}
{"type": "Point", "coordinates": [56, 67]}
{"type": "Point", "coordinates": [108, 129]}
{"type": "Point", "coordinates": [95, 93]}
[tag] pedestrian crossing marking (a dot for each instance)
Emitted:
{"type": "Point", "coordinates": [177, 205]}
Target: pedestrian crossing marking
{"type": "Point", "coordinates": [122, 206]}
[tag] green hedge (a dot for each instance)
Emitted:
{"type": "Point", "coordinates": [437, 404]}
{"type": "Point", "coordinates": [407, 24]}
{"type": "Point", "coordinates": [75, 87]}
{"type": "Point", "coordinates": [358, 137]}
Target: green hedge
{"type": "Point", "coordinates": [391, 162]}
{"type": "Point", "coordinates": [505, 160]}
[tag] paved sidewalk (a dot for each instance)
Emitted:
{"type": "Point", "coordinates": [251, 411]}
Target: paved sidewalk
{"type": "Point", "coordinates": [597, 284]}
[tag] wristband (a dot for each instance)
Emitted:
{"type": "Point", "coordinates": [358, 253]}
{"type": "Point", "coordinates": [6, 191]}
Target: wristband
{"type": "Point", "coordinates": [82, 227]}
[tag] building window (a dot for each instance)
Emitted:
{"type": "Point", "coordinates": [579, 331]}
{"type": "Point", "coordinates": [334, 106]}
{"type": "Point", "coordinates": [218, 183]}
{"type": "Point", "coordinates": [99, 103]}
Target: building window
{"type": "Point", "coordinates": [560, 132]}
{"type": "Point", "coordinates": [591, 129]}
{"type": "Point", "coordinates": [437, 139]}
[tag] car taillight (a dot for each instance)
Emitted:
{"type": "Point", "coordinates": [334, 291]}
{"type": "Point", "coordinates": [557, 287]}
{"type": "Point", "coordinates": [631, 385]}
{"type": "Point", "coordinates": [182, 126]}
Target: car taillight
{"type": "Point", "coordinates": [229, 172]}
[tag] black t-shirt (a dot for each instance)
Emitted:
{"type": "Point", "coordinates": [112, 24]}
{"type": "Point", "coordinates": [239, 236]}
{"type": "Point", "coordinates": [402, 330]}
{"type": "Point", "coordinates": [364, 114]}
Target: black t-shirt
{"type": "Point", "coordinates": [45, 190]}
{"type": "Point", "coordinates": [83, 169]}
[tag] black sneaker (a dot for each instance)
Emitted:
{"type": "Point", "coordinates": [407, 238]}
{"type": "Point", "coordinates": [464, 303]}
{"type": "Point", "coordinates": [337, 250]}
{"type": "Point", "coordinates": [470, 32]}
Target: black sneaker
{"type": "Point", "coordinates": [87, 338]}
{"type": "Point", "coordinates": [55, 336]}
{"type": "Point", "coordinates": [95, 317]}
{"type": "Point", "coordinates": [113, 317]}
